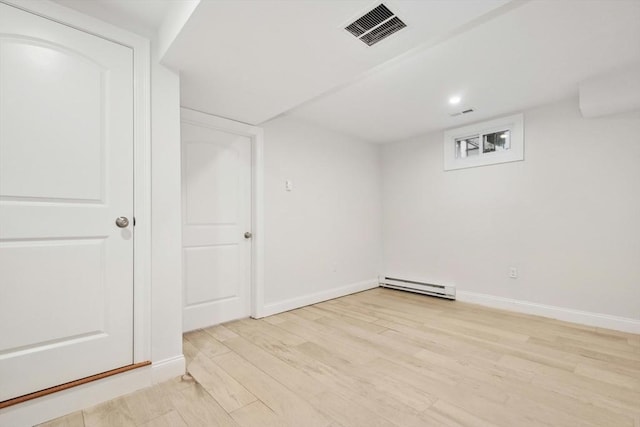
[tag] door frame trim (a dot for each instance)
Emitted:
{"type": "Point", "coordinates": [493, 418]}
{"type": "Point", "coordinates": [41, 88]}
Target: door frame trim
{"type": "Point", "coordinates": [256, 135]}
{"type": "Point", "coordinates": [142, 153]}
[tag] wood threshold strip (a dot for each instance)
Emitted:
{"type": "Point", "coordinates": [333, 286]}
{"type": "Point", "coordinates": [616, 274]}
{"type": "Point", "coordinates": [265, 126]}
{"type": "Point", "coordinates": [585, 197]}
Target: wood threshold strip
{"type": "Point", "coordinates": [54, 389]}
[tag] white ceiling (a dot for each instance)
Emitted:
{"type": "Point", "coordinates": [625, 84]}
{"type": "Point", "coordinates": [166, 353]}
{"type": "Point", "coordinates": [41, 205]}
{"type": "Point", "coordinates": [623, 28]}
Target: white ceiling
{"type": "Point", "coordinates": [252, 60]}
{"type": "Point", "coordinates": [140, 16]}
{"type": "Point", "coordinates": [535, 54]}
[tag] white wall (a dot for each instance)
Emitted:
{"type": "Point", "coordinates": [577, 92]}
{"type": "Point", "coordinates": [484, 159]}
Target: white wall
{"type": "Point", "coordinates": [166, 233]}
{"type": "Point", "coordinates": [322, 239]}
{"type": "Point", "coordinates": [568, 216]}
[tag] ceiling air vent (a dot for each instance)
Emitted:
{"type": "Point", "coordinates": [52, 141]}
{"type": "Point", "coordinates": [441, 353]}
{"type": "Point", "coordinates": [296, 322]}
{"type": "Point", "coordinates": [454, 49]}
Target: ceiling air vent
{"type": "Point", "coordinates": [467, 111]}
{"type": "Point", "coordinates": [375, 25]}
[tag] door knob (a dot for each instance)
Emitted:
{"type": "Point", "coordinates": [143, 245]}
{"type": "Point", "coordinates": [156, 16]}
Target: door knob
{"type": "Point", "coordinates": [122, 221]}
{"type": "Point", "coordinates": [248, 235]}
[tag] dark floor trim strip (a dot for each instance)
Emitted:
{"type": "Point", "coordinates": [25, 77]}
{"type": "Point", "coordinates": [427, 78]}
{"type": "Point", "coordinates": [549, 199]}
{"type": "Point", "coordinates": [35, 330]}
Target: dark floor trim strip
{"type": "Point", "coordinates": [46, 391]}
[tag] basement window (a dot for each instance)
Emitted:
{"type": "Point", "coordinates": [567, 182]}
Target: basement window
{"type": "Point", "coordinates": [486, 143]}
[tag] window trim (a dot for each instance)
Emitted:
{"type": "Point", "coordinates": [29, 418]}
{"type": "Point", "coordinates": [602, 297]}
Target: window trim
{"type": "Point", "coordinates": [514, 124]}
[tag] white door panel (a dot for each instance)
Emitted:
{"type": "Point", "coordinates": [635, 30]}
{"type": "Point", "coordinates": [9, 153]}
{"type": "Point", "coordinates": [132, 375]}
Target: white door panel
{"type": "Point", "coordinates": [216, 205]}
{"type": "Point", "coordinates": [30, 161]}
{"type": "Point", "coordinates": [211, 169]}
{"type": "Point", "coordinates": [209, 265]}
{"type": "Point", "coordinates": [71, 268]}
{"type": "Point", "coordinates": [66, 174]}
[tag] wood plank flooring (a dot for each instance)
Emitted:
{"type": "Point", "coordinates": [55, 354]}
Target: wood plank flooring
{"type": "Point", "coordinates": [389, 358]}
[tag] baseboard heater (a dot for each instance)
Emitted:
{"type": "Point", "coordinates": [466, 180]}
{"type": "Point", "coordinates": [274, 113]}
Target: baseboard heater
{"type": "Point", "coordinates": [441, 291]}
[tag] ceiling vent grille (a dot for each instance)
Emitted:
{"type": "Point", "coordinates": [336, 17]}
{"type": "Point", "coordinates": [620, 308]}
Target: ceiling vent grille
{"type": "Point", "coordinates": [459, 113]}
{"type": "Point", "coordinates": [375, 25]}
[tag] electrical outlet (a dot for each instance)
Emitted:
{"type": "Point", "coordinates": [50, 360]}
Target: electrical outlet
{"type": "Point", "coordinates": [513, 272]}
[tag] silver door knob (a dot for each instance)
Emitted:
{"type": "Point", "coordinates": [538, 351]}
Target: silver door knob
{"type": "Point", "coordinates": [248, 235]}
{"type": "Point", "coordinates": [122, 221]}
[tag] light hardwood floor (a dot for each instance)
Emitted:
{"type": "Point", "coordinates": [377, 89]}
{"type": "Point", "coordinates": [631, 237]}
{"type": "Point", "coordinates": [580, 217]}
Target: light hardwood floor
{"type": "Point", "coordinates": [389, 358]}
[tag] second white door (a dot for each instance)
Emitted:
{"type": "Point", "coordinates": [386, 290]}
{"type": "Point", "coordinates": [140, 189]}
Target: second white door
{"type": "Point", "coordinates": [216, 224]}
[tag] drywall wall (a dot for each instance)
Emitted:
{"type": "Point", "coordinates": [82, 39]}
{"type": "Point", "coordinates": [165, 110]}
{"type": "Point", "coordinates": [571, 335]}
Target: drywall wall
{"type": "Point", "coordinates": [322, 238]}
{"type": "Point", "coordinates": [566, 217]}
{"type": "Point", "coordinates": [166, 232]}
{"type": "Point", "coordinates": [614, 92]}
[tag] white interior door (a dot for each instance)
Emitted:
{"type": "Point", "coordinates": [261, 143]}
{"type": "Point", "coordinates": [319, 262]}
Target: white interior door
{"type": "Point", "coordinates": [66, 174]}
{"type": "Point", "coordinates": [216, 214]}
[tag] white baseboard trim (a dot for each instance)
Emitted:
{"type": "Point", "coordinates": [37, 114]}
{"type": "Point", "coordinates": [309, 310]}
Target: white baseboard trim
{"type": "Point", "coordinates": [566, 314]}
{"type": "Point", "coordinates": [64, 402]}
{"type": "Point", "coordinates": [167, 369]}
{"type": "Point", "coordinates": [293, 303]}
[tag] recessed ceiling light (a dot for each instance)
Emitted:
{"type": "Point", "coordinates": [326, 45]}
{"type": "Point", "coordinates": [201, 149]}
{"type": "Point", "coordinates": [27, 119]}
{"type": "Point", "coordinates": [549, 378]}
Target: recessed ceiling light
{"type": "Point", "coordinates": [454, 100]}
